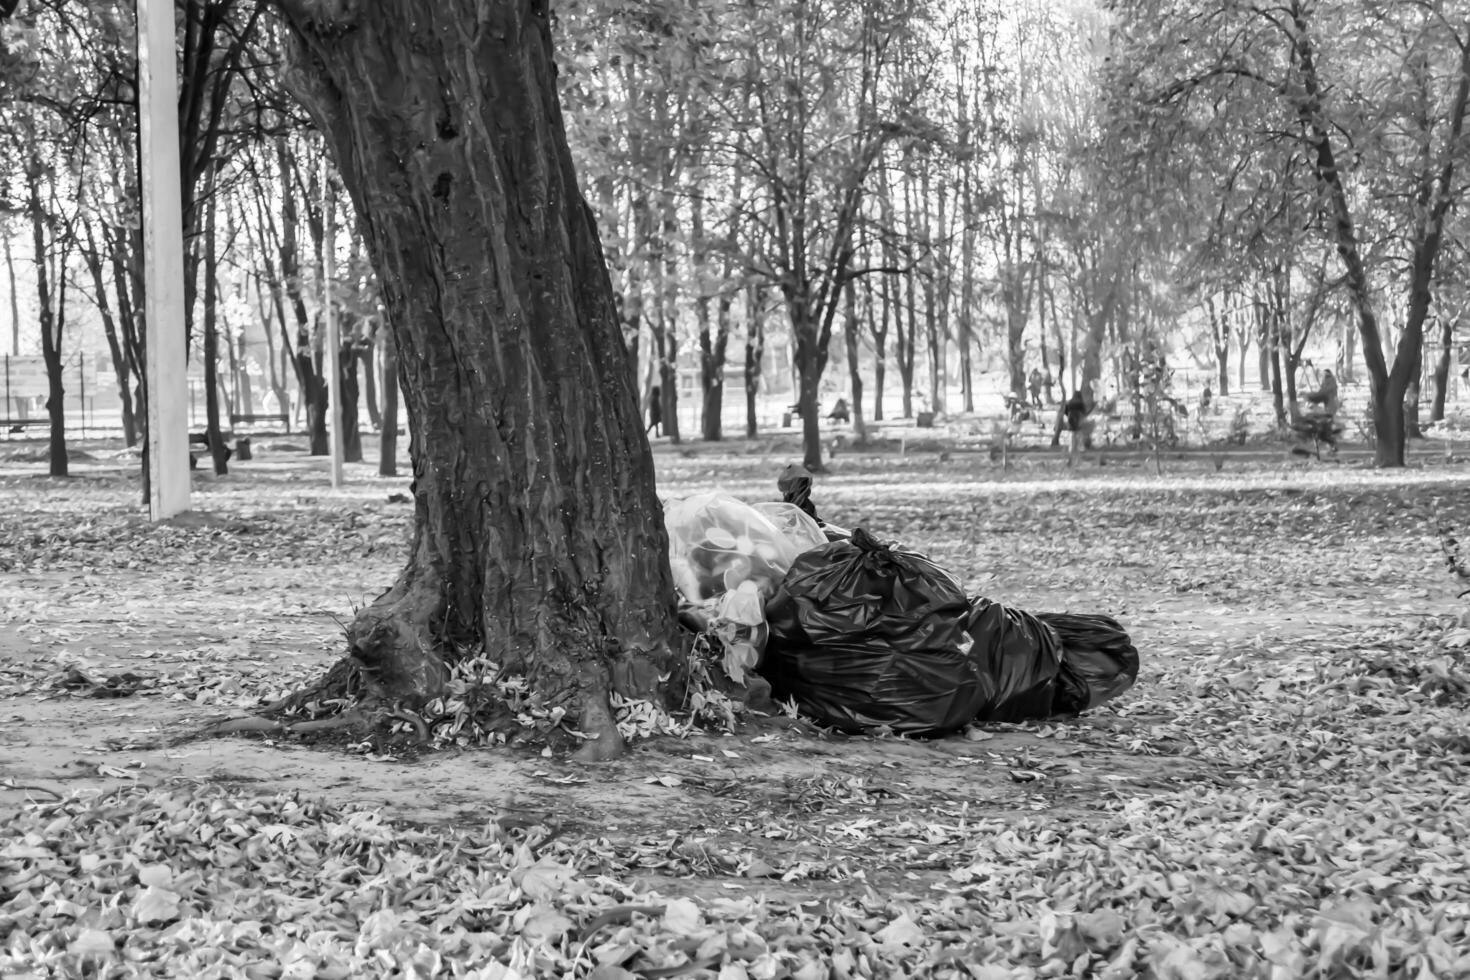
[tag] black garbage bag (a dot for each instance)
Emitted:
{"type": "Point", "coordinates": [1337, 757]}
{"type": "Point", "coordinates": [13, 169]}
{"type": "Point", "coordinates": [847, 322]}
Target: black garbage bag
{"type": "Point", "coordinates": [1046, 664]}
{"type": "Point", "coordinates": [1023, 657]}
{"type": "Point", "coordinates": [868, 637]}
{"type": "Point", "coordinates": [1099, 660]}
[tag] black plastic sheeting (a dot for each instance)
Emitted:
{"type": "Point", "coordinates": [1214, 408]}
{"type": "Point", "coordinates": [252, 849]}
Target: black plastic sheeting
{"type": "Point", "coordinates": [867, 637]}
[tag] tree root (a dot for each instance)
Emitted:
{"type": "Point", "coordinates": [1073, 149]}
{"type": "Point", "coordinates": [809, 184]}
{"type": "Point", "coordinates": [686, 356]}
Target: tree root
{"type": "Point", "coordinates": [606, 742]}
{"type": "Point", "coordinates": [257, 723]}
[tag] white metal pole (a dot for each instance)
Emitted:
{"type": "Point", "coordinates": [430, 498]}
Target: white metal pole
{"type": "Point", "coordinates": [163, 261]}
{"type": "Point", "coordinates": [330, 359]}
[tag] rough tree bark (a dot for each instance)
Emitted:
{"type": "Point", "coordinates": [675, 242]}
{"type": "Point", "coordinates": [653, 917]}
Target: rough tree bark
{"type": "Point", "coordinates": [538, 534]}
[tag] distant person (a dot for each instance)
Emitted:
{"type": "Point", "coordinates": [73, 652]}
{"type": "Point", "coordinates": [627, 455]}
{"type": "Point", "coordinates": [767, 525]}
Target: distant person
{"type": "Point", "coordinates": [1074, 416]}
{"type": "Point", "coordinates": [1205, 397]}
{"type": "Point", "coordinates": [840, 412]}
{"type": "Point", "coordinates": [1034, 383]}
{"type": "Point", "coordinates": [1324, 400]}
{"type": "Point", "coordinates": [655, 411]}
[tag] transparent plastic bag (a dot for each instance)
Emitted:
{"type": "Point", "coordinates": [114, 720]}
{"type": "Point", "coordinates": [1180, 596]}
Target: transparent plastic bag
{"type": "Point", "coordinates": [800, 529]}
{"type": "Point", "coordinates": [717, 542]}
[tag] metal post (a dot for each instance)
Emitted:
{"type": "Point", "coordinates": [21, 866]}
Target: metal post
{"type": "Point", "coordinates": [331, 360]}
{"type": "Point", "coordinates": [82, 390]}
{"type": "Point", "coordinates": [163, 261]}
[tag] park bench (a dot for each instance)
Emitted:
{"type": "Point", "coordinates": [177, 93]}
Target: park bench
{"type": "Point", "coordinates": [19, 425]}
{"type": "Point", "coordinates": [252, 419]}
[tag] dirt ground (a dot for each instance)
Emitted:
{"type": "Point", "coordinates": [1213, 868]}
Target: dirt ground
{"type": "Point", "coordinates": [244, 600]}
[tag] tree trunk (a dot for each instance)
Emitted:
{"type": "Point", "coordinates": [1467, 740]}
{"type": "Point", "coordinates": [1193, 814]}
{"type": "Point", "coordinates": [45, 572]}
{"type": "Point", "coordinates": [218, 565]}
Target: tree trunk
{"type": "Point", "coordinates": [1092, 343]}
{"type": "Point", "coordinates": [1388, 429]}
{"type": "Point", "coordinates": [1273, 349]}
{"type": "Point", "coordinates": [305, 362]}
{"type": "Point", "coordinates": [310, 368]}
{"type": "Point", "coordinates": [936, 293]}
{"type": "Point", "coordinates": [1442, 368]}
{"type": "Point", "coordinates": [14, 298]}
{"type": "Point", "coordinates": [713, 344]}
{"type": "Point", "coordinates": [1412, 429]}
{"type": "Point", "coordinates": [51, 299]}
{"type": "Point", "coordinates": [213, 431]}
{"type": "Point", "coordinates": [241, 365]}
{"type": "Point", "coordinates": [903, 335]}
{"type": "Point", "coordinates": [755, 349]}
{"type": "Point", "coordinates": [272, 311]}
{"type": "Point", "coordinates": [118, 356]}
{"type": "Point", "coordinates": [370, 382]}
{"type": "Point", "coordinates": [879, 327]}
{"type": "Point", "coordinates": [127, 283]}
{"type": "Point", "coordinates": [810, 361]}
{"type": "Point", "coordinates": [347, 360]}
{"type": "Point", "coordinates": [712, 349]}
{"type": "Point", "coordinates": [388, 443]}
{"type": "Point", "coordinates": [668, 388]}
{"type": "Point", "coordinates": [854, 374]}
{"type": "Point", "coordinates": [1264, 348]}
{"type": "Point", "coordinates": [1220, 334]}
{"type": "Point", "coordinates": [539, 535]}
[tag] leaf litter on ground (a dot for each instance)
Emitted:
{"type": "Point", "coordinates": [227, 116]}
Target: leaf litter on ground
{"type": "Point", "coordinates": [1293, 655]}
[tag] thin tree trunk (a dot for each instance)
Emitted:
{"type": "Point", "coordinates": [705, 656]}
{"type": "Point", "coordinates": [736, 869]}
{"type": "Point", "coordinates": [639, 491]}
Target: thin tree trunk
{"type": "Point", "coordinates": [854, 372]}
{"type": "Point", "coordinates": [879, 328]}
{"type": "Point", "coordinates": [809, 374]}
{"type": "Point", "coordinates": [755, 349]}
{"type": "Point", "coordinates": [665, 348]}
{"type": "Point", "coordinates": [903, 335]}
{"type": "Point", "coordinates": [370, 380]}
{"type": "Point", "coordinates": [213, 431]}
{"type": "Point", "coordinates": [347, 360]}
{"type": "Point", "coordinates": [1265, 345]}
{"type": "Point", "coordinates": [1442, 368]}
{"type": "Point", "coordinates": [388, 444]}
{"type": "Point", "coordinates": [1220, 334]}
{"type": "Point", "coordinates": [14, 297]}
{"type": "Point", "coordinates": [125, 246]}
{"type": "Point", "coordinates": [51, 300]}
{"type": "Point", "coordinates": [120, 371]}
{"type": "Point", "coordinates": [1273, 348]}
{"type": "Point", "coordinates": [305, 360]}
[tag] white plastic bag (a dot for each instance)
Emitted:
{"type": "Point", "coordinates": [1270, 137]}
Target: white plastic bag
{"type": "Point", "coordinates": [800, 528]}
{"type": "Point", "coordinates": [717, 542]}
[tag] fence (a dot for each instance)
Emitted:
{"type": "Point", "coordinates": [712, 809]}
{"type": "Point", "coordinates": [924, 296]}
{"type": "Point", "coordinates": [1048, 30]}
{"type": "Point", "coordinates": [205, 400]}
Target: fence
{"type": "Point", "coordinates": [25, 389]}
